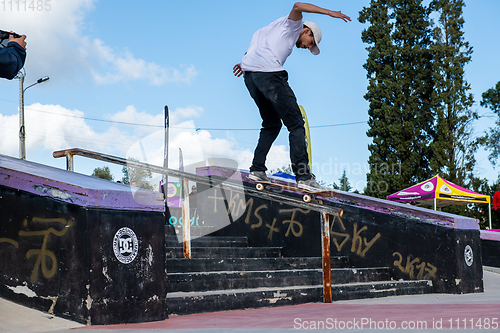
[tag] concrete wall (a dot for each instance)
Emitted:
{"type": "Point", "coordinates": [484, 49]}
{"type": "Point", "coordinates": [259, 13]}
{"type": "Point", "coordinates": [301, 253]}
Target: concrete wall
{"type": "Point", "coordinates": [82, 248]}
{"type": "Point", "coordinates": [415, 243]}
{"type": "Point", "coordinates": [490, 241]}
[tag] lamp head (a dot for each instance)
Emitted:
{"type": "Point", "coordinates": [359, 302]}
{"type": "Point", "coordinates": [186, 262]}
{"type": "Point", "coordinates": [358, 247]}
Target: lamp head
{"type": "Point", "coordinates": [43, 79]}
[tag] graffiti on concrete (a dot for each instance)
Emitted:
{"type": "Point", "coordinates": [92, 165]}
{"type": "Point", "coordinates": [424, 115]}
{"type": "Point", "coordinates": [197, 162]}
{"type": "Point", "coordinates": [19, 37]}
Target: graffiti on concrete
{"type": "Point", "coordinates": [340, 236]}
{"type": "Point", "coordinates": [10, 241]}
{"type": "Point", "coordinates": [426, 271]}
{"type": "Point", "coordinates": [286, 218]}
{"type": "Point", "coordinates": [42, 254]}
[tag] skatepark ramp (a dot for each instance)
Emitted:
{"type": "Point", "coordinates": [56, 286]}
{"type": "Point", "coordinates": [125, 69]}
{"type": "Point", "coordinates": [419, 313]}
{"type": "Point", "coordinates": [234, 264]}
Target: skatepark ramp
{"type": "Point", "coordinates": [101, 253]}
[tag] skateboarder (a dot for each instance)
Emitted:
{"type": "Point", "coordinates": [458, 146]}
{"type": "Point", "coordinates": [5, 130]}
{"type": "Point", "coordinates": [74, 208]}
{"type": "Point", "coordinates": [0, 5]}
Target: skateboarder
{"type": "Point", "coordinates": [267, 83]}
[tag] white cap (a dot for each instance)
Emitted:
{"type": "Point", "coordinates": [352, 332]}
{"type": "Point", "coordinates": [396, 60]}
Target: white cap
{"type": "Point", "coordinates": [317, 35]}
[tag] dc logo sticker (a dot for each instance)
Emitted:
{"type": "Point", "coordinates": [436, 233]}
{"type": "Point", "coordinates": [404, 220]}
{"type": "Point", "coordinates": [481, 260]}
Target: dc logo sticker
{"type": "Point", "coordinates": [125, 245]}
{"type": "Point", "coordinates": [468, 255]}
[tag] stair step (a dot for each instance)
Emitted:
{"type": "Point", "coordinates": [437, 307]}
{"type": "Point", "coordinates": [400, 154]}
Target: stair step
{"type": "Point", "coordinates": [225, 252]}
{"type": "Point", "coordinates": [380, 289]}
{"type": "Point", "coordinates": [195, 302]}
{"type": "Point", "coordinates": [173, 241]}
{"type": "Point", "coordinates": [221, 280]}
{"type": "Point", "coordinates": [181, 265]}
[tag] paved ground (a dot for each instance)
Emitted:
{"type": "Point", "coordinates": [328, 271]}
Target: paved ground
{"type": "Point", "coordinates": [420, 313]}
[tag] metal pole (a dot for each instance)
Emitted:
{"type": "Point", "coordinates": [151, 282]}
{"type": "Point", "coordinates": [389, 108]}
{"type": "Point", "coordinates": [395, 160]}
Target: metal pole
{"type": "Point", "coordinates": [186, 223]}
{"type": "Point", "coordinates": [69, 162]}
{"type": "Point", "coordinates": [167, 128]}
{"type": "Point", "coordinates": [489, 214]}
{"type": "Point", "coordinates": [165, 156]}
{"type": "Point", "coordinates": [22, 131]}
{"type": "Point", "coordinates": [327, 271]}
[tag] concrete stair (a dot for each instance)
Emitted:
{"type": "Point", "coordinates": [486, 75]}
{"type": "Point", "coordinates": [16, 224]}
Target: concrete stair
{"type": "Point", "coordinates": [225, 274]}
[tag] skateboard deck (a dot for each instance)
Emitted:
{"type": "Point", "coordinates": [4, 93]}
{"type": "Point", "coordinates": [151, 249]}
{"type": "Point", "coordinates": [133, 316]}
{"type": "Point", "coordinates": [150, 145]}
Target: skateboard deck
{"type": "Point", "coordinates": [307, 195]}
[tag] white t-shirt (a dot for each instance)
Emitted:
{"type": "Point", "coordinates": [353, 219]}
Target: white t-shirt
{"type": "Point", "coordinates": [271, 46]}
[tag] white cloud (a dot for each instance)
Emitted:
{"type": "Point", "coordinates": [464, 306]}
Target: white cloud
{"type": "Point", "coordinates": [9, 127]}
{"type": "Point", "coordinates": [185, 113]}
{"type": "Point", "coordinates": [53, 127]}
{"type": "Point", "coordinates": [57, 46]}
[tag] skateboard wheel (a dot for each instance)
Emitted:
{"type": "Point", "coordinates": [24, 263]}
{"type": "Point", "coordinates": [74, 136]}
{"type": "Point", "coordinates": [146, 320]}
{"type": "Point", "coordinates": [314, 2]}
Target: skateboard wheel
{"type": "Point", "coordinates": [306, 198]}
{"type": "Point", "coordinates": [259, 187]}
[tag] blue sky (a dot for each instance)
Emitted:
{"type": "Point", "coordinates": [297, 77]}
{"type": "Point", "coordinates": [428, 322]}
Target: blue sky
{"type": "Point", "coordinates": [114, 65]}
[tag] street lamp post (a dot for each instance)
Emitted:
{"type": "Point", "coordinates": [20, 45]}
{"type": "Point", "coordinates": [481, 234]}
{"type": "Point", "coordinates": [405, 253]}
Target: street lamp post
{"type": "Point", "coordinates": [22, 129]}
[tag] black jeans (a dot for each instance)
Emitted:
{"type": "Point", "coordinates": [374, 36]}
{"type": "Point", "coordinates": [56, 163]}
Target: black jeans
{"type": "Point", "coordinates": [278, 105]}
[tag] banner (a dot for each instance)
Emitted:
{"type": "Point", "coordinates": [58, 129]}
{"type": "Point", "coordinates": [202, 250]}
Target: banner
{"type": "Point", "coordinates": [308, 135]}
{"type": "Point", "coordinates": [173, 194]}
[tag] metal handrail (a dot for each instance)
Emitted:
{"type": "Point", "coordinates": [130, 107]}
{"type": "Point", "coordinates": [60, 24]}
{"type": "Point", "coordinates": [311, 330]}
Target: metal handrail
{"type": "Point", "coordinates": [324, 211]}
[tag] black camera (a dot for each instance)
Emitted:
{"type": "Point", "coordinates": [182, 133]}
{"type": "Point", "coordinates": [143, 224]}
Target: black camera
{"type": "Point", "coordinates": [4, 37]}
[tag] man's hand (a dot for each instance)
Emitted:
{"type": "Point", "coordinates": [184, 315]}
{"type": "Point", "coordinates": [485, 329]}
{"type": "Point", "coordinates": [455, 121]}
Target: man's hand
{"type": "Point", "coordinates": [338, 14]}
{"type": "Point", "coordinates": [237, 71]}
{"type": "Point", "coordinates": [19, 40]}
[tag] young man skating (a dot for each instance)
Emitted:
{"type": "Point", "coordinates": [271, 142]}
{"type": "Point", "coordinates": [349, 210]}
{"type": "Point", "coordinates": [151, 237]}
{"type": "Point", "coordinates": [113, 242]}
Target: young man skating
{"type": "Point", "coordinates": [267, 83]}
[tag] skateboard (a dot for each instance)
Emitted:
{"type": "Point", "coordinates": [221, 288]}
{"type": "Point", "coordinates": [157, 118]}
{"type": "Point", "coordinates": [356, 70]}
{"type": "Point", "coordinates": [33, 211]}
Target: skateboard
{"type": "Point", "coordinates": [306, 195]}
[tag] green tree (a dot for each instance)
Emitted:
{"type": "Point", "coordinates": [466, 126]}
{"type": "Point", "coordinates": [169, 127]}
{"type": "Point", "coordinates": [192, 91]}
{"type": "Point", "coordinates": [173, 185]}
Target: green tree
{"type": "Point", "coordinates": [453, 145]}
{"type": "Point", "coordinates": [103, 173]}
{"type": "Point", "coordinates": [344, 184]}
{"type": "Point", "coordinates": [491, 139]}
{"type": "Point", "coordinates": [139, 177]}
{"type": "Point", "coordinates": [399, 71]}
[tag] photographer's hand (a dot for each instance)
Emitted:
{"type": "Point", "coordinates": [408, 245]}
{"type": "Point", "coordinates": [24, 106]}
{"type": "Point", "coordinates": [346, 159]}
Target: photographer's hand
{"type": "Point", "coordinates": [21, 40]}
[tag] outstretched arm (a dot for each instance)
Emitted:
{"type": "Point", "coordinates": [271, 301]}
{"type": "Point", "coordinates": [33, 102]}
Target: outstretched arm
{"type": "Point", "coordinates": [299, 8]}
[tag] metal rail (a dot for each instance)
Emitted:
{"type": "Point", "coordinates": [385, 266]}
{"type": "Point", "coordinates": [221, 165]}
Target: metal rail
{"type": "Point", "coordinates": [324, 211]}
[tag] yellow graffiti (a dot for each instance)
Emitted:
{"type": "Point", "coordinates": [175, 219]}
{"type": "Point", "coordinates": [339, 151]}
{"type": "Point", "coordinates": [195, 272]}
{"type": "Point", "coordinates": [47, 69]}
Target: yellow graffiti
{"type": "Point", "coordinates": [346, 236]}
{"type": "Point", "coordinates": [357, 241]}
{"type": "Point", "coordinates": [249, 210]}
{"type": "Point", "coordinates": [43, 253]}
{"type": "Point", "coordinates": [294, 226]}
{"type": "Point", "coordinates": [235, 203]}
{"type": "Point", "coordinates": [11, 241]}
{"type": "Point", "coordinates": [359, 245]}
{"type": "Point", "coordinates": [409, 269]}
{"type": "Point", "coordinates": [257, 215]}
{"type": "Point", "coordinates": [216, 198]}
{"type": "Point", "coordinates": [272, 229]}
{"type": "Point", "coordinates": [292, 223]}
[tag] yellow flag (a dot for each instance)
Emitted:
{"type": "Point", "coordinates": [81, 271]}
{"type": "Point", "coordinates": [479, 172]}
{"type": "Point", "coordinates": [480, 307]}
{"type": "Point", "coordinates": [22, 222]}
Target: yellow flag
{"type": "Point", "coordinates": [308, 135]}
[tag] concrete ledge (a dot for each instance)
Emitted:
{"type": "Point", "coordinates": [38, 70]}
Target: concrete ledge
{"type": "Point", "coordinates": [74, 188]}
{"type": "Point", "coordinates": [365, 202]}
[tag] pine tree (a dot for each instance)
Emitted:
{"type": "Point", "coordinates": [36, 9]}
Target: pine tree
{"type": "Point", "coordinates": [453, 143]}
{"type": "Point", "coordinates": [491, 139]}
{"type": "Point", "coordinates": [344, 183]}
{"type": "Point", "coordinates": [399, 70]}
